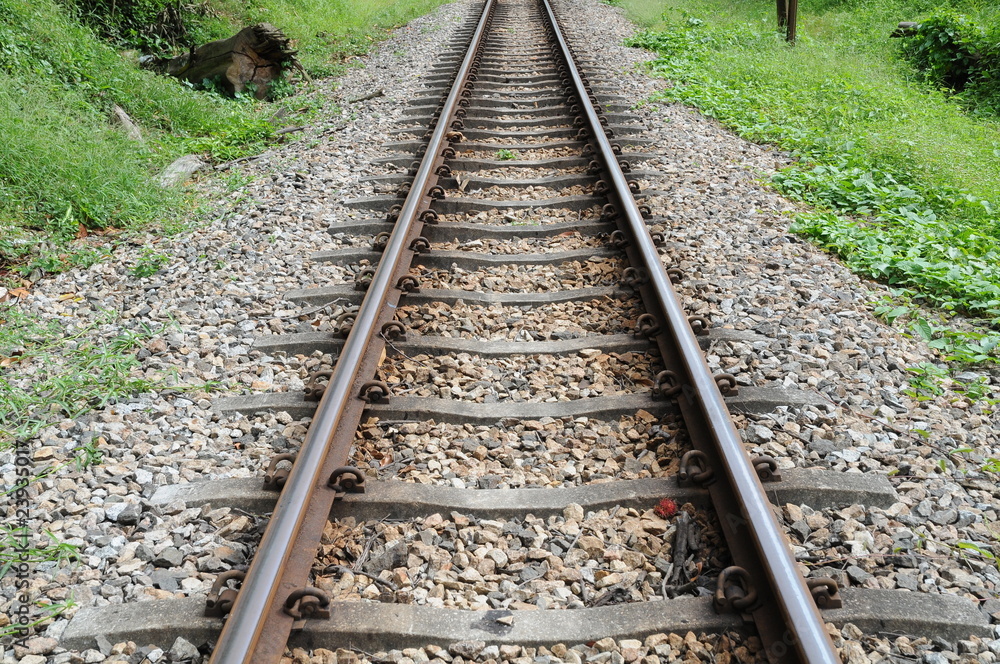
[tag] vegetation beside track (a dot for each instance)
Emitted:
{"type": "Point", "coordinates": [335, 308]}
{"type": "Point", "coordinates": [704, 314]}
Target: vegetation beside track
{"type": "Point", "coordinates": [71, 181]}
{"type": "Point", "coordinates": [901, 172]}
{"type": "Point", "coordinates": [66, 171]}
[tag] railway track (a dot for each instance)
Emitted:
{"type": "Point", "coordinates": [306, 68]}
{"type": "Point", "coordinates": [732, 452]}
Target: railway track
{"type": "Point", "coordinates": [511, 312]}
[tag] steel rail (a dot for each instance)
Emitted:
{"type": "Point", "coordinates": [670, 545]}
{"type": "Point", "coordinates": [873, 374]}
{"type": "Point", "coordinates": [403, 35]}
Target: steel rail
{"type": "Point", "coordinates": [806, 632]}
{"type": "Point", "coordinates": [240, 640]}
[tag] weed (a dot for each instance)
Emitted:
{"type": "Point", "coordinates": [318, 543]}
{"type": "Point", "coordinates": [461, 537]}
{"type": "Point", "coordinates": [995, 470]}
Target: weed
{"type": "Point", "coordinates": [48, 611]}
{"type": "Point", "coordinates": [51, 372]}
{"type": "Point", "coordinates": [972, 546]}
{"type": "Point", "coordinates": [16, 549]}
{"type": "Point", "coordinates": [503, 154]}
{"type": "Point", "coordinates": [149, 263]}
{"type": "Point", "coordinates": [926, 381]}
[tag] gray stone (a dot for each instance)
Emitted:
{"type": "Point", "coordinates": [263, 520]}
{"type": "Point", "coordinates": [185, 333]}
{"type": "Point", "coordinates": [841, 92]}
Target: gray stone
{"type": "Point", "coordinates": [169, 557]}
{"type": "Point", "coordinates": [164, 580]}
{"type": "Point", "coordinates": [966, 647]}
{"type": "Point", "coordinates": [210, 564]}
{"type": "Point", "coordinates": [907, 581]}
{"type": "Point", "coordinates": [965, 518]}
{"type": "Point", "coordinates": [944, 517]}
{"type": "Point", "coordinates": [392, 557]}
{"type": "Point", "coordinates": [130, 515]}
{"type": "Point", "coordinates": [180, 171]}
{"type": "Point", "coordinates": [112, 510]}
{"type": "Point", "coordinates": [183, 651]}
{"type": "Point", "coordinates": [858, 575]}
{"type": "Point", "coordinates": [104, 645]}
{"type": "Point", "coordinates": [466, 649]}
{"type": "Point", "coordinates": [122, 119]}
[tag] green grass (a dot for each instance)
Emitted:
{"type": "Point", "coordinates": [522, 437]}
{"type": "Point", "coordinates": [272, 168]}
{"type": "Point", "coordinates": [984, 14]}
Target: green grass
{"type": "Point", "coordinates": [327, 32]}
{"type": "Point", "coordinates": [52, 370]}
{"type": "Point", "coordinates": [64, 165]}
{"type": "Point", "coordinates": [903, 178]}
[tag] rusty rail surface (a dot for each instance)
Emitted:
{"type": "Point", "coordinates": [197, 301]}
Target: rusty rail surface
{"type": "Point", "coordinates": [273, 595]}
{"type": "Point", "coordinates": [798, 633]}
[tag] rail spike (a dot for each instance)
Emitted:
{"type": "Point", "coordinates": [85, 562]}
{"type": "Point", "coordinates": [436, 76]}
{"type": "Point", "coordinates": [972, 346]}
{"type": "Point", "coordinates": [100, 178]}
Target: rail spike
{"type": "Point", "coordinates": [767, 468]}
{"type": "Point", "coordinates": [826, 592]}
{"type": "Point", "coordinates": [315, 387]}
{"type": "Point", "coordinates": [221, 597]}
{"type": "Point", "coordinates": [695, 470]}
{"type": "Point", "coordinates": [345, 480]}
{"type": "Point", "coordinates": [734, 591]}
{"type": "Point", "coordinates": [307, 603]}
{"type": "Point", "coordinates": [276, 475]}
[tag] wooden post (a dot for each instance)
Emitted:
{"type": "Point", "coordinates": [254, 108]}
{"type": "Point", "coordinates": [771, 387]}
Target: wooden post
{"type": "Point", "coordinates": [782, 13]}
{"type": "Point", "coordinates": [792, 19]}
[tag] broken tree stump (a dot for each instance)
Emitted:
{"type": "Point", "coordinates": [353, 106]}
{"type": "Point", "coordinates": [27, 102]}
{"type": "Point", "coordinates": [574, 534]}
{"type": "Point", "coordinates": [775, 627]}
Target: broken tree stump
{"type": "Point", "coordinates": [255, 55]}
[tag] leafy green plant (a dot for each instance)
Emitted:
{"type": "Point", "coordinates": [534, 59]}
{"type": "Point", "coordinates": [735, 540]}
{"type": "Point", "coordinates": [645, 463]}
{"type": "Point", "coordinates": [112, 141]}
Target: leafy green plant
{"type": "Point", "coordinates": [503, 154]}
{"type": "Point", "coordinates": [281, 88]}
{"type": "Point", "coordinates": [976, 548]}
{"type": "Point", "coordinates": [875, 154]}
{"type": "Point", "coordinates": [954, 52]}
{"type": "Point", "coordinates": [945, 47]}
{"type": "Point", "coordinates": [964, 347]}
{"type": "Point", "coordinates": [926, 381]}
{"type": "Point", "coordinates": [976, 390]}
{"type": "Point", "coordinates": [149, 263]}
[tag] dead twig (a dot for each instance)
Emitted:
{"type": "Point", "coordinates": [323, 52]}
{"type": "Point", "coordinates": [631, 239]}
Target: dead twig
{"type": "Point", "coordinates": [375, 579]}
{"type": "Point", "coordinates": [365, 97]}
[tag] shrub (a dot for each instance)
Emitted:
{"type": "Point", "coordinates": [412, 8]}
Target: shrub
{"type": "Point", "coordinates": [945, 48]}
{"type": "Point", "coordinates": [953, 52]}
{"type": "Point", "coordinates": [147, 25]}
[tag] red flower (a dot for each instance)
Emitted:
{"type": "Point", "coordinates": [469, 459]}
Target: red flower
{"type": "Point", "coordinates": [665, 509]}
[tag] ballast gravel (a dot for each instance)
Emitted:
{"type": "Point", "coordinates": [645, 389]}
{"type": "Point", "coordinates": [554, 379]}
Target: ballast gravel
{"type": "Point", "coordinates": [533, 453]}
{"type": "Point", "coordinates": [569, 241]}
{"type": "Point", "coordinates": [513, 278]}
{"type": "Point", "coordinates": [536, 378]}
{"type": "Point", "coordinates": [572, 561]}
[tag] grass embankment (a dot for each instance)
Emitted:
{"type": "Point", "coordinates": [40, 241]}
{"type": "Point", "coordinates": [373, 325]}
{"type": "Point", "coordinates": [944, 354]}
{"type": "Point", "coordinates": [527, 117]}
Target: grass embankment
{"type": "Point", "coordinates": [64, 166]}
{"type": "Point", "coordinates": [903, 176]}
{"type": "Point", "coordinates": [67, 171]}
